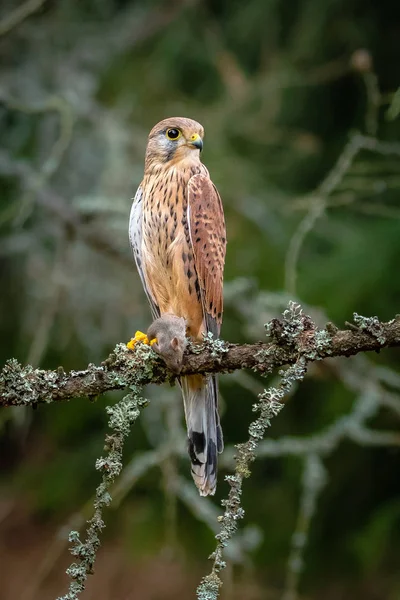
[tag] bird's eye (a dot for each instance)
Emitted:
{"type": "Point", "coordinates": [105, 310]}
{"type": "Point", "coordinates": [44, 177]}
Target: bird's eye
{"type": "Point", "coordinates": [173, 134]}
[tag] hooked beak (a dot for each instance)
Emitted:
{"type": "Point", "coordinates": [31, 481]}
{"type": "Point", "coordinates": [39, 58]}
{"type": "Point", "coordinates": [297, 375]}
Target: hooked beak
{"type": "Point", "coordinates": [196, 142]}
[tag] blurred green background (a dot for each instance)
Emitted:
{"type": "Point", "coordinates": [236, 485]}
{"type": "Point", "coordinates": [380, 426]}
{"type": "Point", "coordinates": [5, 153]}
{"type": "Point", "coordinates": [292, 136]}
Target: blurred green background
{"type": "Point", "coordinates": [280, 88]}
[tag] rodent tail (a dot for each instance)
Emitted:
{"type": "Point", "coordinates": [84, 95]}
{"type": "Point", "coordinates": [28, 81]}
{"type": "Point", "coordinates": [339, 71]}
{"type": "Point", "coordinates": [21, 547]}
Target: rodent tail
{"type": "Point", "coordinates": [200, 397]}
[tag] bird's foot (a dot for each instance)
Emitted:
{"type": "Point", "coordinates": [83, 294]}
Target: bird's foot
{"type": "Point", "coordinates": [140, 337]}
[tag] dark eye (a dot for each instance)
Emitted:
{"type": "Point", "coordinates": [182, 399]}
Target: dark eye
{"type": "Point", "coordinates": [173, 134]}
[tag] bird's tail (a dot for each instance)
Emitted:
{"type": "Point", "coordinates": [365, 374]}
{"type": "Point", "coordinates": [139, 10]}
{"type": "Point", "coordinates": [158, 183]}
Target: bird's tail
{"type": "Point", "coordinates": [200, 398]}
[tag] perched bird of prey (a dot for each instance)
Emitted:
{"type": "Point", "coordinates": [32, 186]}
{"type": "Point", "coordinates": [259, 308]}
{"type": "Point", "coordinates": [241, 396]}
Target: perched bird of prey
{"type": "Point", "coordinates": [177, 233]}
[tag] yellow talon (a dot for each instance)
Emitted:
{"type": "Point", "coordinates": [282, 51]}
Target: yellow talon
{"type": "Point", "coordinates": [139, 337]}
{"type": "Point", "coordinates": [154, 341]}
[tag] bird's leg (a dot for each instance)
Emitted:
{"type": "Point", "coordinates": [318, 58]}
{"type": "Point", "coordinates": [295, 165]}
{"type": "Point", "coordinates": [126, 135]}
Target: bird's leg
{"type": "Point", "coordinates": [140, 337]}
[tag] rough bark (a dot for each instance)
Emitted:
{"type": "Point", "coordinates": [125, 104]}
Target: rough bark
{"type": "Point", "coordinates": [22, 386]}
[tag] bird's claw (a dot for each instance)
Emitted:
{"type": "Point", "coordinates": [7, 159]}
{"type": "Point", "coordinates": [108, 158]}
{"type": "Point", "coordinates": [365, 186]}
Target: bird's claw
{"type": "Point", "coordinates": [140, 337]}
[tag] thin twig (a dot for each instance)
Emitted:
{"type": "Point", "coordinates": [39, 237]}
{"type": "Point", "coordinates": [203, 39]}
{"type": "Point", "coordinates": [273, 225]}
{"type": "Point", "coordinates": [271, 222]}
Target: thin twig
{"type": "Point", "coordinates": [373, 102]}
{"type": "Point", "coordinates": [319, 204]}
{"type": "Point", "coordinates": [269, 405]}
{"type": "Point", "coordinates": [17, 16]}
{"type": "Point", "coordinates": [122, 416]}
{"type": "Point", "coordinates": [314, 479]}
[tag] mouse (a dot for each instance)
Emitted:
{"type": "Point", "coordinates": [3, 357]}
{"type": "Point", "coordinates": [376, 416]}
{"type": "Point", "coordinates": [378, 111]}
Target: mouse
{"type": "Point", "coordinates": [169, 332]}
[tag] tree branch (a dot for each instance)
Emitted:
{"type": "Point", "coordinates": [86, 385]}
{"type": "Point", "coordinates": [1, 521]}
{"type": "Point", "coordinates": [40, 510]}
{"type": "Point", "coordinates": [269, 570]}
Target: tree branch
{"type": "Point", "coordinates": [19, 14]}
{"type": "Point", "coordinates": [23, 386]}
{"type": "Point", "coordinates": [294, 339]}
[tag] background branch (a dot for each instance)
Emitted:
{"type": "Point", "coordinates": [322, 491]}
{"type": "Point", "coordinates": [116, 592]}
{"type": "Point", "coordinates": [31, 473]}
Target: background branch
{"type": "Point", "coordinates": [18, 15]}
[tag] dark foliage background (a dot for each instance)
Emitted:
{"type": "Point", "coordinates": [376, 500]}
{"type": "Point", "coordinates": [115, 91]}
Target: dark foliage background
{"type": "Point", "coordinates": [279, 87]}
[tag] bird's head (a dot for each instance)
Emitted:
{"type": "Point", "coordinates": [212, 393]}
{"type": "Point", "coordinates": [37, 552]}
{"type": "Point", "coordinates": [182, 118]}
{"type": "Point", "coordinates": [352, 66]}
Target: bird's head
{"type": "Point", "coordinates": [174, 140]}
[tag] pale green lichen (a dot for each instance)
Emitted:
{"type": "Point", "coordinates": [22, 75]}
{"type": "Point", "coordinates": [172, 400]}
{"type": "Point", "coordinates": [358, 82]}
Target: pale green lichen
{"type": "Point", "coordinates": [195, 347]}
{"type": "Point", "coordinates": [22, 386]}
{"type": "Point", "coordinates": [323, 341]}
{"type": "Point", "coordinates": [298, 331]}
{"type": "Point", "coordinates": [318, 345]}
{"type": "Point", "coordinates": [293, 316]}
{"type": "Point", "coordinates": [288, 329]}
{"type": "Point", "coordinates": [371, 325]}
{"type": "Point", "coordinates": [132, 369]}
{"type": "Point", "coordinates": [294, 323]}
{"type": "Point", "coordinates": [122, 416]}
{"type": "Point", "coordinates": [269, 405]}
{"type": "Point", "coordinates": [262, 355]}
{"type": "Point", "coordinates": [291, 325]}
{"type": "Point", "coordinates": [209, 587]}
{"type": "Point", "coordinates": [216, 346]}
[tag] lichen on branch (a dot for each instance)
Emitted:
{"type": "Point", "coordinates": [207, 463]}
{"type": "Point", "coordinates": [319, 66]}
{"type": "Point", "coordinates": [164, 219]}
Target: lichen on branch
{"type": "Point", "coordinates": [23, 386]}
{"type": "Point", "coordinates": [122, 416]}
{"type": "Point", "coordinates": [293, 341]}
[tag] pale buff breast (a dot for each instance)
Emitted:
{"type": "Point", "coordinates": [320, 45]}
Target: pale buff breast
{"type": "Point", "coordinates": [167, 254]}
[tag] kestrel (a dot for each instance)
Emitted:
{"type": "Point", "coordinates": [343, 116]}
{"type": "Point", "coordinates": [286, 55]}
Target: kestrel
{"type": "Point", "coordinates": [177, 233]}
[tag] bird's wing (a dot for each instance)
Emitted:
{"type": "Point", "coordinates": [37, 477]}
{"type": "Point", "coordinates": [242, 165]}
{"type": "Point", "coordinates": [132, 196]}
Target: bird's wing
{"type": "Point", "coordinates": [135, 237]}
{"type": "Point", "coordinates": [208, 238]}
